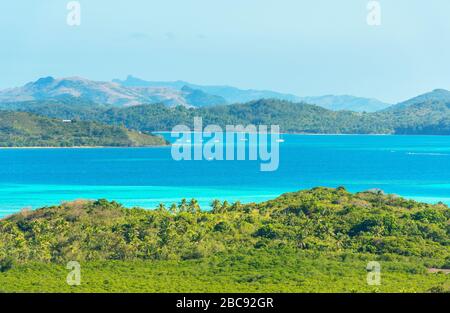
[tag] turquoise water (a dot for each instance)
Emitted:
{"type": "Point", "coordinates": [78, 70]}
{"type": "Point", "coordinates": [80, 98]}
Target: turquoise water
{"type": "Point", "coordinates": [412, 166]}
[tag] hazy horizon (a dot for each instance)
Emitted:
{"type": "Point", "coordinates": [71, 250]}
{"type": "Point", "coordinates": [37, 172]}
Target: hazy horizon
{"type": "Point", "coordinates": [305, 48]}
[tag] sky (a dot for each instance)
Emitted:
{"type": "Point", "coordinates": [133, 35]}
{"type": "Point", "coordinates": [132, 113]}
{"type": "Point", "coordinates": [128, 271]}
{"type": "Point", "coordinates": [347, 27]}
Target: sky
{"type": "Point", "coordinates": [307, 48]}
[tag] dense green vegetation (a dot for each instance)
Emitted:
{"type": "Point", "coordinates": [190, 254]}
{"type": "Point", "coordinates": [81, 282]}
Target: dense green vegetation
{"type": "Point", "coordinates": [429, 117]}
{"type": "Point", "coordinates": [313, 240]}
{"type": "Point", "coordinates": [424, 118]}
{"type": "Point", "coordinates": [254, 271]}
{"type": "Point", "coordinates": [21, 129]}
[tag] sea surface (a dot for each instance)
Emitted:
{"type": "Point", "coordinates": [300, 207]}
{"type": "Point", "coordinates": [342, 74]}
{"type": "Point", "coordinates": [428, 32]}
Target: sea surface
{"type": "Point", "coordinates": [416, 167]}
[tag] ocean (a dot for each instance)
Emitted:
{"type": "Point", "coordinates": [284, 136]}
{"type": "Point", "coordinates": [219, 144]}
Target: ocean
{"type": "Point", "coordinates": [416, 167]}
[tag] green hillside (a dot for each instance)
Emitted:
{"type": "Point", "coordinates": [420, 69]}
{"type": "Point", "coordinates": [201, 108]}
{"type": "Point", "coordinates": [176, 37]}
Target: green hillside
{"type": "Point", "coordinates": [431, 117]}
{"type": "Point", "coordinates": [21, 129]}
{"type": "Point", "coordinates": [428, 118]}
{"type": "Point", "coordinates": [425, 118]}
{"type": "Point", "coordinates": [314, 240]}
{"type": "Point", "coordinates": [292, 117]}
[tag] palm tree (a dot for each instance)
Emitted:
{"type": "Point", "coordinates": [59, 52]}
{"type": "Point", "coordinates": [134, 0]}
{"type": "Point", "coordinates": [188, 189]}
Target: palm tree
{"type": "Point", "coordinates": [194, 207]}
{"type": "Point", "coordinates": [174, 208]}
{"type": "Point", "coordinates": [216, 206]}
{"type": "Point", "coordinates": [237, 206]}
{"type": "Point", "coordinates": [183, 205]}
{"type": "Point", "coordinates": [161, 207]}
{"type": "Point", "coordinates": [225, 206]}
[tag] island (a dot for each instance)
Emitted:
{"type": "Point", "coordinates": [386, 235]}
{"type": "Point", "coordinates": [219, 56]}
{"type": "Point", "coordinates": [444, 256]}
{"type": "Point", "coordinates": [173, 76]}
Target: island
{"type": "Point", "coordinates": [318, 240]}
{"type": "Point", "coordinates": [22, 129]}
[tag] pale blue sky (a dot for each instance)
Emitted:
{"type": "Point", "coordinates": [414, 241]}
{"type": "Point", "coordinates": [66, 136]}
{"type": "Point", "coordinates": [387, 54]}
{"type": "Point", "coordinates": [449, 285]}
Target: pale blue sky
{"type": "Point", "coordinates": [303, 47]}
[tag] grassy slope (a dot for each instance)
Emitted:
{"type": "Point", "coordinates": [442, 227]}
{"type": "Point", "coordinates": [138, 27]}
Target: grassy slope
{"type": "Point", "coordinates": [310, 241]}
{"type": "Point", "coordinates": [20, 129]}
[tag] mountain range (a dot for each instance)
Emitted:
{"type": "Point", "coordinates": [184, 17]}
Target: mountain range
{"type": "Point", "coordinates": [152, 106]}
{"type": "Point", "coordinates": [106, 93]}
{"type": "Point", "coordinates": [134, 91]}
{"type": "Point", "coordinates": [236, 95]}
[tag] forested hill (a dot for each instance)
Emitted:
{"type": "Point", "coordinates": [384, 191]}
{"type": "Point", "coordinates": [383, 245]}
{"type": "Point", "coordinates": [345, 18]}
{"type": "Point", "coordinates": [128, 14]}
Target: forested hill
{"type": "Point", "coordinates": [318, 240]}
{"type": "Point", "coordinates": [430, 117]}
{"type": "Point", "coordinates": [21, 129]}
{"type": "Point", "coordinates": [321, 219]}
{"type": "Point", "coordinates": [292, 117]}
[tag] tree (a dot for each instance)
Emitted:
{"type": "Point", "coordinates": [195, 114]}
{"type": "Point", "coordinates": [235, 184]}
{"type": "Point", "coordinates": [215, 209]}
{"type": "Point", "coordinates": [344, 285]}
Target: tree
{"type": "Point", "coordinates": [225, 206]}
{"type": "Point", "coordinates": [161, 207]}
{"type": "Point", "coordinates": [173, 208]}
{"type": "Point", "coordinates": [183, 206]}
{"type": "Point", "coordinates": [194, 207]}
{"type": "Point", "coordinates": [237, 206]}
{"type": "Point", "coordinates": [216, 206]}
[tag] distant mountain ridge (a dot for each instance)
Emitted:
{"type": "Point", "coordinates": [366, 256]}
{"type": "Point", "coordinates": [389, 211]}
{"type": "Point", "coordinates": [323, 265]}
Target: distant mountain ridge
{"type": "Point", "coordinates": [236, 95]}
{"type": "Point", "coordinates": [106, 93]}
{"type": "Point", "coordinates": [50, 88]}
{"type": "Point", "coordinates": [135, 91]}
{"type": "Point", "coordinates": [347, 102]}
{"type": "Point", "coordinates": [230, 94]}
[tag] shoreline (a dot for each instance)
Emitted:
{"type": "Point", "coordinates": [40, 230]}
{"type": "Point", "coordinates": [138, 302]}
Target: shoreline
{"type": "Point", "coordinates": [419, 199]}
{"type": "Point", "coordinates": [169, 145]}
{"type": "Point", "coordinates": [322, 134]}
{"type": "Point", "coordinates": [293, 133]}
{"type": "Point", "coordinates": [82, 147]}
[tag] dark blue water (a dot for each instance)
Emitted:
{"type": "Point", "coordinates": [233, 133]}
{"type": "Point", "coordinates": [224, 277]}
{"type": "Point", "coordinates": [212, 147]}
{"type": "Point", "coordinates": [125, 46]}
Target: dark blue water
{"type": "Point", "coordinates": [412, 166]}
